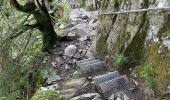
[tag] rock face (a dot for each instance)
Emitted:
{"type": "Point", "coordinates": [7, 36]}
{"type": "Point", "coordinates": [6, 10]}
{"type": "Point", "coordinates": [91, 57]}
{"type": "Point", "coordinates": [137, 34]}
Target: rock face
{"type": "Point", "coordinates": [140, 36]}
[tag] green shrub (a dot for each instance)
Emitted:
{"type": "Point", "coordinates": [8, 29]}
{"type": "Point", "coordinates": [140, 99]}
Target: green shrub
{"type": "Point", "coordinates": [120, 60]}
{"type": "Point", "coordinates": [61, 18]}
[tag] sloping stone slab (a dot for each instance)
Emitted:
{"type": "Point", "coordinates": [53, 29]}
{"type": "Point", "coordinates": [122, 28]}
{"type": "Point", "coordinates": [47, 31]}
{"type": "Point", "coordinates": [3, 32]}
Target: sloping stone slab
{"type": "Point", "coordinates": [113, 86]}
{"type": "Point", "coordinates": [68, 93]}
{"type": "Point", "coordinates": [106, 77]}
{"type": "Point", "coordinates": [85, 60]}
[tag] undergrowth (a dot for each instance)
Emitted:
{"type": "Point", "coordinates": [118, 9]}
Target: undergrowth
{"type": "Point", "coordinates": [149, 74]}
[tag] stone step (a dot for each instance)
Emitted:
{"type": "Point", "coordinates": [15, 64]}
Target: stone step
{"type": "Point", "coordinates": [93, 68]}
{"type": "Point", "coordinates": [83, 61]}
{"type": "Point", "coordinates": [106, 77]}
{"type": "Point", "coordinates": [88, 62]}
{"type": "Point", "coordinates": [113, 86]}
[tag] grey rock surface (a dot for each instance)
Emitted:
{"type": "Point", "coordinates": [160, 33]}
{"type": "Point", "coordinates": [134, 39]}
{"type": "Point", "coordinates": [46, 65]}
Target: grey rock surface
{"type": "Point", "coordinates": [70, 50]}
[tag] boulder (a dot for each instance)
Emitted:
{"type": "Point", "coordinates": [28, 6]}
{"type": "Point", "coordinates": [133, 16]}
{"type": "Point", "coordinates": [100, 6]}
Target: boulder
{"type": "Point", "coordinates": [70, 50]}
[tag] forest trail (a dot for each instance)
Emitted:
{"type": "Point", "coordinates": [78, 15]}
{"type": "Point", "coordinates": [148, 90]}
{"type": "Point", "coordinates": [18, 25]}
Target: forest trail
{"type": "Point", "coordinates": [78, 75]}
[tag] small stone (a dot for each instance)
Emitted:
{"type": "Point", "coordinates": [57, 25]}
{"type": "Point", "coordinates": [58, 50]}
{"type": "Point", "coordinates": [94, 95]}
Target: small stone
{"type": "Point", "coordinates": [118, 98]}
{"type": "Point", "coordinates": [85, 17]}
{"type": "Point", "coordinates": [112, 97]}
{"type": "Point", "coordinates": [67, 67]}
{"type": "Point", "coordinates": [70, 50]}
{"type": "Point", "coordinates": [60, 53]}
{"type": "Point", "coordinates": [53, 87]}
{"type": "Point", "coordinates": [53, 64]}
{"type": "Point", "coordinates": [71, 34]}
{"type": "Point", "coordinates": [53, 79]}
{"type": "Point", "coordinates": [80, 51]}
{"type": "Point", "coordinates": [83, 38]}
{"type": "Point", "coordinates": [59, 60]}
{"type": "Point", "coordinates": [43, 88]}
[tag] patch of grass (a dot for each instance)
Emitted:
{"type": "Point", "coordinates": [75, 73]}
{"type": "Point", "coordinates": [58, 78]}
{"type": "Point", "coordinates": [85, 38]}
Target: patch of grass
{"type": "Point", "coordinates": [120, 60]}
{"type": "Point", "coordinates": [149, 74]}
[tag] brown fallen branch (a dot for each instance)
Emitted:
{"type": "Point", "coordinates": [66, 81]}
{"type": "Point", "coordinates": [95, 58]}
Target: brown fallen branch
{"type": "Point", "coordinates": [137, 11]}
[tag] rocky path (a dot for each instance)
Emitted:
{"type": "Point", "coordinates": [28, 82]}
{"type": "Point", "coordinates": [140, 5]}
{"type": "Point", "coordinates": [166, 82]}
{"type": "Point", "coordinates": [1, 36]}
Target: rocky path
{"type": "Point", "coordinates": [76, 74]}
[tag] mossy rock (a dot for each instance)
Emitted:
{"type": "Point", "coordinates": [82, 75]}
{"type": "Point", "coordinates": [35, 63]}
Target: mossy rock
{"type": "Point", "coordinates": [47, 95]}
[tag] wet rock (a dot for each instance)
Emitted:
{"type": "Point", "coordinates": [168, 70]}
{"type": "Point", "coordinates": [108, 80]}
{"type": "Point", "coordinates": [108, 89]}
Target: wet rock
{"type": "Point", "coordinates": [53, 79]}
{"type": "Point", "coordinates": [88, 96]}
{"type": "Point", "coordinates": [70, 50]}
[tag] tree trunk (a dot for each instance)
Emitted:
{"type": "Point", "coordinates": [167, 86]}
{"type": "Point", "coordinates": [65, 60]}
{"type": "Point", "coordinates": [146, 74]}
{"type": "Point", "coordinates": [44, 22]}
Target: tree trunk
{"type": "Point", "coordinates": [43, 21]}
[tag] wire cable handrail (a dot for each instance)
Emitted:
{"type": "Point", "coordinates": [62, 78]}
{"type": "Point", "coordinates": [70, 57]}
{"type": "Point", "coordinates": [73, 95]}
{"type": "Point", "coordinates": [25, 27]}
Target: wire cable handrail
{"type": "Point", "coordinates": [136, 11]}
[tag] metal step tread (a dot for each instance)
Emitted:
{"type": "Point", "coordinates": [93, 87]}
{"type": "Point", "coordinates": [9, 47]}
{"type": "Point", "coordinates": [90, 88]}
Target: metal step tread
{"type": "Point", "coordinates": [113, 86]}
{"type": "Point", "coordinates": [105, 77]}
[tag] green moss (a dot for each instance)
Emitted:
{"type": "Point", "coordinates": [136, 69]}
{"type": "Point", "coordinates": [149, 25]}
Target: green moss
{"type": "Point", "coordinates": [136, 48]}
{"type": "Point", "coordinates": [46, 95]}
